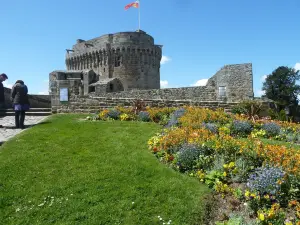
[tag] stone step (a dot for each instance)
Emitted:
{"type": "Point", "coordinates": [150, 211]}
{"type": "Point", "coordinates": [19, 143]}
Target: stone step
{"type": "Point", "coordinates": [31, 112]}
{"type": "Point", "coordinates": [28, 113]}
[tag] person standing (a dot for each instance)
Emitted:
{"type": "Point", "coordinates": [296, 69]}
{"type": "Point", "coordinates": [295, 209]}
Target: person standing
{"type": "Point", "coordinates": [3, 77]}
{"type": "Point", "coordinates": [19, 97]}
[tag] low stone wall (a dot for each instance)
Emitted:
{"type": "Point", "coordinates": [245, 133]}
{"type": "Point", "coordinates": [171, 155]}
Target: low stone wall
{"type": "Point", "coordinates": [40, 101]}
{"type": "Point", "coordinates": [201, 93]}
{"type": "Point", "coordinates": [90, 104]}
{"type": "Point", "coordinates": [36, 101]}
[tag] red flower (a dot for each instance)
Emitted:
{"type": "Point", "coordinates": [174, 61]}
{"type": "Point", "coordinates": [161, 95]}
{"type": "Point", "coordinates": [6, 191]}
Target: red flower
{"type": "Point", "coordinates": [171, 157]}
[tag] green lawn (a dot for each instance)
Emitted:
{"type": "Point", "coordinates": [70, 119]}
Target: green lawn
{"type": "Point", "coordinates": [67, 171]}
{"type": "Point", "coordinates": [276, 142]}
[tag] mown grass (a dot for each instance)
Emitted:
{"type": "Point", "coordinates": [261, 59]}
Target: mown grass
{"type": "Point", "coordinates": [67, 171]}
{"type": "Point", "coordinates": [277, 142]}
{"type": "Point", "coordinates": [284, 143]}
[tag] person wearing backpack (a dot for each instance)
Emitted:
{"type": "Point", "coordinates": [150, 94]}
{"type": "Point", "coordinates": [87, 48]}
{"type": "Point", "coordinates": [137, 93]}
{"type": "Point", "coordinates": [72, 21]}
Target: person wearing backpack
{"type": "Point", "coordinates": [19, 97]}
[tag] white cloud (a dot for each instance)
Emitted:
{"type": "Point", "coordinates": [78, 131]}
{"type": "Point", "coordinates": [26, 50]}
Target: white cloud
{"type": "Point", "coordinates": [201, 82]}
{"type": "Point", "coordinates": [263, 78]}
{"type": "Point", "coordinates": [43, 92]}
{"type": "Point", "coordinates": [297, 66]}
{"type": "Point", "coordinates": [164, 83]}
{"type": "Point", "coordinates": [259, 93]}
{"type": "Point", "coordinates": [165, 59]}
{"type": "Point", "coordinates": [6, 84]}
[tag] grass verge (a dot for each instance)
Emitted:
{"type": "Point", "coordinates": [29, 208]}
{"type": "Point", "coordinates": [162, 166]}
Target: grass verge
{"type": "Point", "coordinates": [67, 171]}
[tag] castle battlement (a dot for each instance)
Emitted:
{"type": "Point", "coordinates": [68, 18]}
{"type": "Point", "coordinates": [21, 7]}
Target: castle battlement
{"type": "Point", "coordinates": [132, 57]}
{"type": "Point", "coordinates": [126, 65]}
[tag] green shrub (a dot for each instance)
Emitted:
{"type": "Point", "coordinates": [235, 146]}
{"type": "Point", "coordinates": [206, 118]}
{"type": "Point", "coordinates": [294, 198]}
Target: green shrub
{"type": "Point", "coordinates": [114, 114]}
{"type": "Point", "coordinates": [187, 156]}
{"type": "Point", "coordinates": [241, 128]}
{"type": "Point", "coordinates": [281, 116]}
{"type": "Point", "coordinates": [239, 109]}
{"type": "Point", "coordinates": [144, 116]}
{"type": "Point", "coordinates": [272, 129]}
{"type": "Point", "coordinates": [249, 107]}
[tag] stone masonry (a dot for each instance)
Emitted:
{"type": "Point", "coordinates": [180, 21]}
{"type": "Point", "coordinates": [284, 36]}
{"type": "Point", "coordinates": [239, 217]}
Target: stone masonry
{"type": "Point", "coordinates": [118, 68]}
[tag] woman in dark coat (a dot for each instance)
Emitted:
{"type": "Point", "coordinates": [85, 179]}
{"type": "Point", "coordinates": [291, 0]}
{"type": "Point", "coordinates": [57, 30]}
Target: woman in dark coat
{"type": "Point", "coordinates": [20, 102]}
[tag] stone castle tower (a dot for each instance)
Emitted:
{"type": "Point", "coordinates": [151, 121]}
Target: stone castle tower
{"type": "Point", "coordinates": [125, 60]}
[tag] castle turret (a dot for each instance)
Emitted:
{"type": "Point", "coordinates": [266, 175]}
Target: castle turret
{"type": "Point", "coordinates": [132, 57]}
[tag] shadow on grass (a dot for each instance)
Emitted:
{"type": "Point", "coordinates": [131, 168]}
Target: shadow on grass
{"type": "Point", "coordinates": [27, 126]}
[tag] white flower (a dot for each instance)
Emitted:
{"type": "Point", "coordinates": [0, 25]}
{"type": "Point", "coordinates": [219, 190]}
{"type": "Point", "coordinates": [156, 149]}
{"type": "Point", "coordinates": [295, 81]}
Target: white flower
{"type": "Point", "coordinates": [41, 204]}
{"type": "Point", "coordinates": [245, 204]}
{"type": "Point", "coordinates": [71, 194]}
{"type": "Point", "coordinates": [132, 202]}
{"type": "Point", "coordinates": [18, 209]}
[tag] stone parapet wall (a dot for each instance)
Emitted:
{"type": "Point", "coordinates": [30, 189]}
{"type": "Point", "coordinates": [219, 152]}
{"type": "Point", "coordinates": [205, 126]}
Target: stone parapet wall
{"type": "Point", "coordinates": [188, 93]}
{"type": "Point", "coordinates": [89, 104]}
{"type": "Point", "coordinates": [36, 101]}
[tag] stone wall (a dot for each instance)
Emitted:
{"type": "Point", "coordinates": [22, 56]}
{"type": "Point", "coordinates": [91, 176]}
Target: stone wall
{"type": "Point", "coordinates": [236, 81]}
{"type": "Point", "coordinates": [201, 93]}
{"type": "Point", "coordinates": [92, 104]}
{"type": "Point", "coordinates": [36, 101]}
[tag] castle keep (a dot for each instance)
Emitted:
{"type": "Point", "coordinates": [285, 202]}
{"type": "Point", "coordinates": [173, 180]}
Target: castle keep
{"type": "Point", "coordinates": [115, 69]}
{"type": "Point", "coordinates": [114, 62]}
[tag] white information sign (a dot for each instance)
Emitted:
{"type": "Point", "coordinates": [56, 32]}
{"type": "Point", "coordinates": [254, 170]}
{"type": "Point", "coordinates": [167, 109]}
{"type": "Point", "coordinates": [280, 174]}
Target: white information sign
{"type": "Point", "coordinates": [64, 97]}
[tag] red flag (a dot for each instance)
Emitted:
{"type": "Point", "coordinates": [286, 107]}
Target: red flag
{"type": "Point", "coordinates": [133, 4]}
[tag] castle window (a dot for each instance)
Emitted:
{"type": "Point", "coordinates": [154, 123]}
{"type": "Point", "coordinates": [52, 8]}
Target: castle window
{"type": "Point", "coordinates": [117, 61]}
{"type": "Point", "coordinates": [222, 91]}
{"type": "Point", "coordinates": [104, 70]}
{"type": "Point", "coordinates": [111, 87]}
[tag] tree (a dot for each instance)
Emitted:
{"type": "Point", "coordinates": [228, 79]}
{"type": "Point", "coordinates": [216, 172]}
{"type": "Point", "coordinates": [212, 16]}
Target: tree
{"type": "Point", "coordinates": [281, 87]}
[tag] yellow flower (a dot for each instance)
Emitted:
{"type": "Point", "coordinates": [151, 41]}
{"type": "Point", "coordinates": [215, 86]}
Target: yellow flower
{"type": "Point", "coordinates": [279, 182]}
{"type": "Point", "coordinates": [225, 166]}
{"type": "Point", "coordinates": [224, 174]}
{"type": "Point", "coordinates": [231, 165]}
{"type": "Point", "coordinates": [235, 171]}
{"type": "Point", "coordinates": [247, 193]}
{"type": "Point", "coordinates": [261, 217]}
{"type": "Point", "coordinates": [271, 213]}
{"type": "Point", "coordinates": [266, 196]}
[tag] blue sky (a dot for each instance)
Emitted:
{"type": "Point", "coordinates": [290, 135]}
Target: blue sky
{"type": "Point", "coordinates": [198, 37]}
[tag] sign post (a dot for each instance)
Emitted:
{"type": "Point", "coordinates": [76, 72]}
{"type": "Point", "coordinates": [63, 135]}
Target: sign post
{"type": "Point", "coordinates": [64, 95]}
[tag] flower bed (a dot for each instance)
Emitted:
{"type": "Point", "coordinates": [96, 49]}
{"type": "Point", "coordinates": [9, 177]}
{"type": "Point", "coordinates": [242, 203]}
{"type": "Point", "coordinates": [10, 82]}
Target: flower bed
{"type": "Point", "coordinates": [259, 183]}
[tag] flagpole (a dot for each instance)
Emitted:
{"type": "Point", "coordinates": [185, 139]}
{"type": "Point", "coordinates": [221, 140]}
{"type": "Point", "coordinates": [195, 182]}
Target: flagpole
{"type": "Point", "coordinates": [139, 15]}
